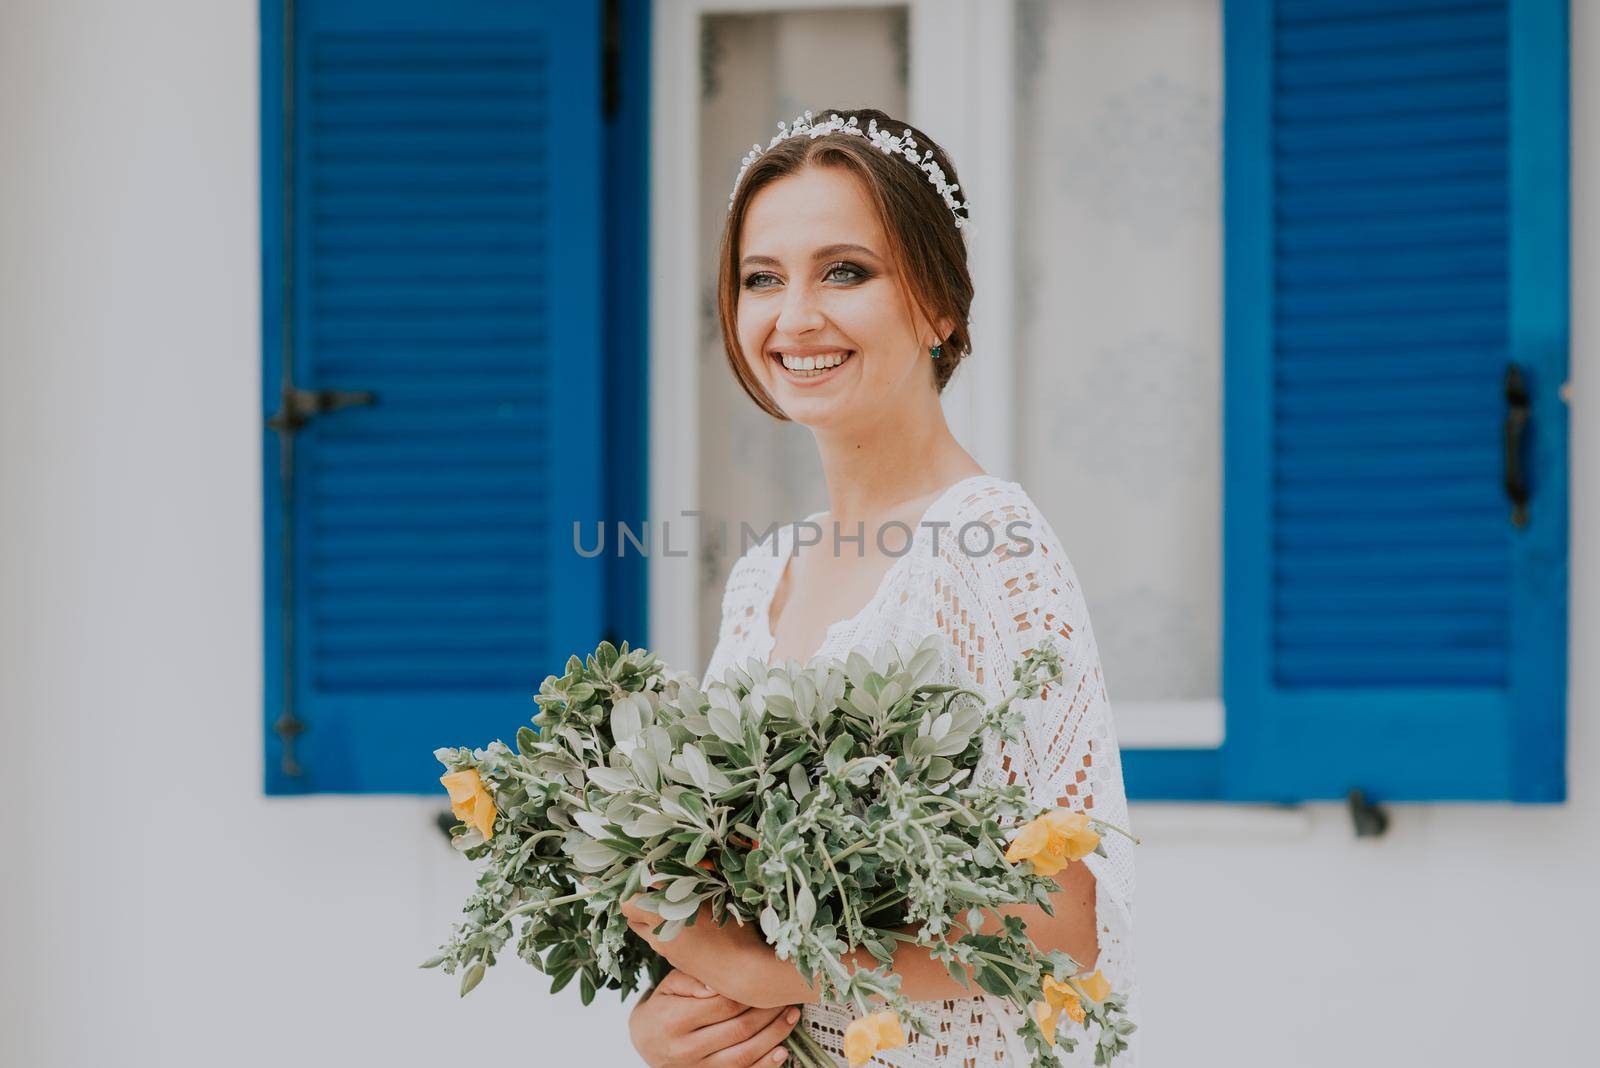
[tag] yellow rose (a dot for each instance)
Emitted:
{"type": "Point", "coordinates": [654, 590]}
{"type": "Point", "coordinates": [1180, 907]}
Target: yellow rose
{"type": "Point", "coordinates": [1049, 1017]}
{"type": "Point", "coordinates": [1064, 998]}
{"type": "Point", "coordinates": [1078, 838]}
{"type": "Point", "coordinates": [469, 800]}
{"type": "Point", "coordinates": [1053, 840]}
{"type": "Point", "coordinates": [1096, 986]}
{"type": "Point", "coordinates": [1032, 839]}
{"type": "Point", "coordinates": [868, 1034]}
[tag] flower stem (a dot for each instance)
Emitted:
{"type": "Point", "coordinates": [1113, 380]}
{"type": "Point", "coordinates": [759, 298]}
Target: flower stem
{"type": "Point", "coordinates": [805, 1050]}
{"type": "Point", "coordinates": [529, 906]}
{"type": "Point", "coordinates": [1112, 826]}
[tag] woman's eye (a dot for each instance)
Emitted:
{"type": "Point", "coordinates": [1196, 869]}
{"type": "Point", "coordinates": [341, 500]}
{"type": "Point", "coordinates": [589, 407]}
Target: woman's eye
{"type": "Point", "coordinates": [849, 271]}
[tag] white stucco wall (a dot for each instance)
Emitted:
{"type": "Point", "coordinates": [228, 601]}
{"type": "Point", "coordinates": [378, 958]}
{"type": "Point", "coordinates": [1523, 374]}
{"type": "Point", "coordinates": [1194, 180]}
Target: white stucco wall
{"type": "Point", "coordinates": [155, 909]}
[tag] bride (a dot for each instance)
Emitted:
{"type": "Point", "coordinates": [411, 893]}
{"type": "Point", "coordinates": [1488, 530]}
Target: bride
{"type": "Point", "coordinates": [844, 295]}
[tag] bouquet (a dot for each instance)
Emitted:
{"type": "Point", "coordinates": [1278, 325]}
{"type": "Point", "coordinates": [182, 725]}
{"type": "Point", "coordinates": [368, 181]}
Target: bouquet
{"type": "Point", "coordinates": [830, 804]}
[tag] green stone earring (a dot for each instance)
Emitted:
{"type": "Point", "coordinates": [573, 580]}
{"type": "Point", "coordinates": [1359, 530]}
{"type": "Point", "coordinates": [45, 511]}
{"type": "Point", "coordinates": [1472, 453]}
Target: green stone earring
{"type": "Point", "coordinates": [934, 352]}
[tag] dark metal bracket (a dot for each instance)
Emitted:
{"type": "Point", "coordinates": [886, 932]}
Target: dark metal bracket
{"type": "Point", "coordinates": [1370, 820]}
{"type": "Point", "coordinates": [445, 819]}
{"type": "Point", "coordinates": [1519, 413]}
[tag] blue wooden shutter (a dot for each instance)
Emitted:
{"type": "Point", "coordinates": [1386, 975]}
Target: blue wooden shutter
{"type": "Point", "coordinates": [1396, 219]}
{"type": "Point", "coordinates": [439, 248]}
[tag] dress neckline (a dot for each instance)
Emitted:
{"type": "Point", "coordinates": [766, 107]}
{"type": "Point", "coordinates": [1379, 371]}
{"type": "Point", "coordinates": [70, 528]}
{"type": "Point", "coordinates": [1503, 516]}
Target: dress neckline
{"type": "Point", "coordinates": [783, 556]}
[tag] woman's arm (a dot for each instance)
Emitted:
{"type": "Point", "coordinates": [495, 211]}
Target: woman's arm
{"type": "Point", "coordinates": [738, 963]}
{"type": "Point", "coordinates": [925, 978]}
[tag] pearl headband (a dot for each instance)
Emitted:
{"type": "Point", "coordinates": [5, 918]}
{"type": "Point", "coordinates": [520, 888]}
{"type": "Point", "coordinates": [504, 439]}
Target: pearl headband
{"type": "Point", "coordinates": [904, 145]}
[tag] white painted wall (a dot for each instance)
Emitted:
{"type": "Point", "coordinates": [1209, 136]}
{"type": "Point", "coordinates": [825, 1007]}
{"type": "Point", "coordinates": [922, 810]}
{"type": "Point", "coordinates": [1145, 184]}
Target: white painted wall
{"type": "Point", "coordinates": [158, 910]}
{"type": "Point", "coordinates": [155, 909]}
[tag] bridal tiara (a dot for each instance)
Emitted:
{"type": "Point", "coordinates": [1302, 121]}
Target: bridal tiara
{"type": "Point", "coordinates": [890, 144]}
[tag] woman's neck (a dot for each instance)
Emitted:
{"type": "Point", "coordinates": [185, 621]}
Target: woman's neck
{"type": "Point", "coordinates": [872, 472]}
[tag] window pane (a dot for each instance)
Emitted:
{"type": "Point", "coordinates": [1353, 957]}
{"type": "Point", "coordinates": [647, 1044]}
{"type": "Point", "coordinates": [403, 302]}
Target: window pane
{"type": "Point", "coordinates": [1119, 323]}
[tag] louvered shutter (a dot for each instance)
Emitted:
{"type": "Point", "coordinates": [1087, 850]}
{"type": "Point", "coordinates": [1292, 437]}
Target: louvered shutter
{"type": "Point", "coordinates": [442, 252]}
{"type": "Point", "coordinates": [1396, 240]}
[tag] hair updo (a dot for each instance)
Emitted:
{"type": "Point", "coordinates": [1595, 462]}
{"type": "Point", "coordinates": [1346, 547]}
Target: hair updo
{"type": "Point", "coordinates": [925, 245]}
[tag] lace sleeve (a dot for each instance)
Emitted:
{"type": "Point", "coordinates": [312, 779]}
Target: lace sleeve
{"type": "Point", "coordinates": [1005, 584]}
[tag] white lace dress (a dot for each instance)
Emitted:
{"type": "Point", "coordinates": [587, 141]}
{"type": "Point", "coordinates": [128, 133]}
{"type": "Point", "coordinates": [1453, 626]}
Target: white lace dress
{"type": "Point", "coordinates": [992, 595]}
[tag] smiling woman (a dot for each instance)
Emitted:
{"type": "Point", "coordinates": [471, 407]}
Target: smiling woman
{"type": "Point", "coordinates": [844, 295]}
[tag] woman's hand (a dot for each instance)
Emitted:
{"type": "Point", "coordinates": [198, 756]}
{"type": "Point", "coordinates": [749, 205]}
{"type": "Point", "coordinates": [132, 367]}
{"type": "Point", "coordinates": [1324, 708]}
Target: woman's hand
{"type": "Point", "coordinates": [734, 959]}
{"type": "Point", "coordinates": [682, 1023]}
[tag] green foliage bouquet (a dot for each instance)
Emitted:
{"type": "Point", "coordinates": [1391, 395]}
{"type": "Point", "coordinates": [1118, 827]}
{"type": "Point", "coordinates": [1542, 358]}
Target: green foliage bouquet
{"type": "Point", "coordinates": [830, 804]}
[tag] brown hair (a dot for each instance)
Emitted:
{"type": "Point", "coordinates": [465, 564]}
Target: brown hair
{"type": "Point", "coordinates": [925, 244]}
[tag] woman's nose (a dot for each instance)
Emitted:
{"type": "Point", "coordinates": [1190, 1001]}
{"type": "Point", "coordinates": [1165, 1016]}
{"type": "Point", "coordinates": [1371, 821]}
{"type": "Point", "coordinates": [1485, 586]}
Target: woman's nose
{"type": "Point", "coordinates": [800, 312]}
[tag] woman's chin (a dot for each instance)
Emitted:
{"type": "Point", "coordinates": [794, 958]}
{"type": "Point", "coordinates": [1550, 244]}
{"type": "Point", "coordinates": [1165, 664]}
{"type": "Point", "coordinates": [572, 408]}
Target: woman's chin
{"type": "Point", "coordinates": [815, 398]}
{"type": "Point", "coordinates": [815, 415]}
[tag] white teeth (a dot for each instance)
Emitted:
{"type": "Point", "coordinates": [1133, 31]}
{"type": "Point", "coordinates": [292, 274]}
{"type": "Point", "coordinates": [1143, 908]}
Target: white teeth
{"type": "Point", "coordinates": [813, 363]}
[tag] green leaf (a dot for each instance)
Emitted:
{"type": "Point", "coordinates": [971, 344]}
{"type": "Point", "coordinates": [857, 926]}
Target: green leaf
{"type": "Point", "coordinates": [472, 977]}
{"type": "Point", "coordinates": [681, 887]}
{"type": "Point", "coordinates": [725, 725]}
{"type": "Point", "coordinates": [838, 752]}
{"type": "Point", "coordinates": [646, 767]}
{"type": "Point", "coordinates": [526, 740]}
{"type": "Point", "coordinates": [680, 910]}
{"type": "Point", "coordinates": [650, 824]}
{"type": "Point", "coordinates": [623, 846]}
{"type": "Point", "coordinates": [992, 981]}
{"type": "Point", "coordinates": [787, 760]}
{"type": "Point", "coordinates": [611, 779]}
{"type": "Point", "coordinates": [626, 722]}
{"type": "Point", "coordinates": [693, 804]}
{"type": "Point", "coordinates": [958, 972]}
{"type": "Point", "coordinates": [805, 906]}
{"type": "Point", "coordinates": [697, 848]}
{"type": "Point", "coordinates": [693, 761]}
{"type": "Point", "coordinates": [799, 784]}
{"type": "Point", "coordinates": [592, 855]}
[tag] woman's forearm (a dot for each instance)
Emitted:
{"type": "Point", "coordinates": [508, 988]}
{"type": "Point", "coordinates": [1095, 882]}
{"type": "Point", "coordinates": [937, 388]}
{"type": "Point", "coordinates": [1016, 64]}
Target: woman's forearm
{"type": "Point", "coordinates": [924, 977]}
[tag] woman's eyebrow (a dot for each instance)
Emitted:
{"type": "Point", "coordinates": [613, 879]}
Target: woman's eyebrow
{"type": "Point", "coordinates": [821, 253]}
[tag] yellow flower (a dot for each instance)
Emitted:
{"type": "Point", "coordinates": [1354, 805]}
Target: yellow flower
{"type": "Point", "coordinates": [869, 1034]}
{"type": "Point", "coordinates": [1080, 839]}
{"type": "Point", "coordinates": [1049, 1017]}
{"type": "Point", "coordinates": [1062, 998]}
{"type": "Point", "coordinates": [1053, 840]}
{"type": "Point", "coordinates": [469, 800]}
{"type": "Point", "coordinates": [1096, 986]}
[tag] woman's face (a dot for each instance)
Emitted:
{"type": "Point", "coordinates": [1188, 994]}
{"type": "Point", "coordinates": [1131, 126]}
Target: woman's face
{"type": "Point", "coordinates": [815, 282]}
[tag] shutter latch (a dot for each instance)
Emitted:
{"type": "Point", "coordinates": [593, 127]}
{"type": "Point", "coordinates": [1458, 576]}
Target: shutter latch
{"type": "Point", "coordinates": [299, 406]}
